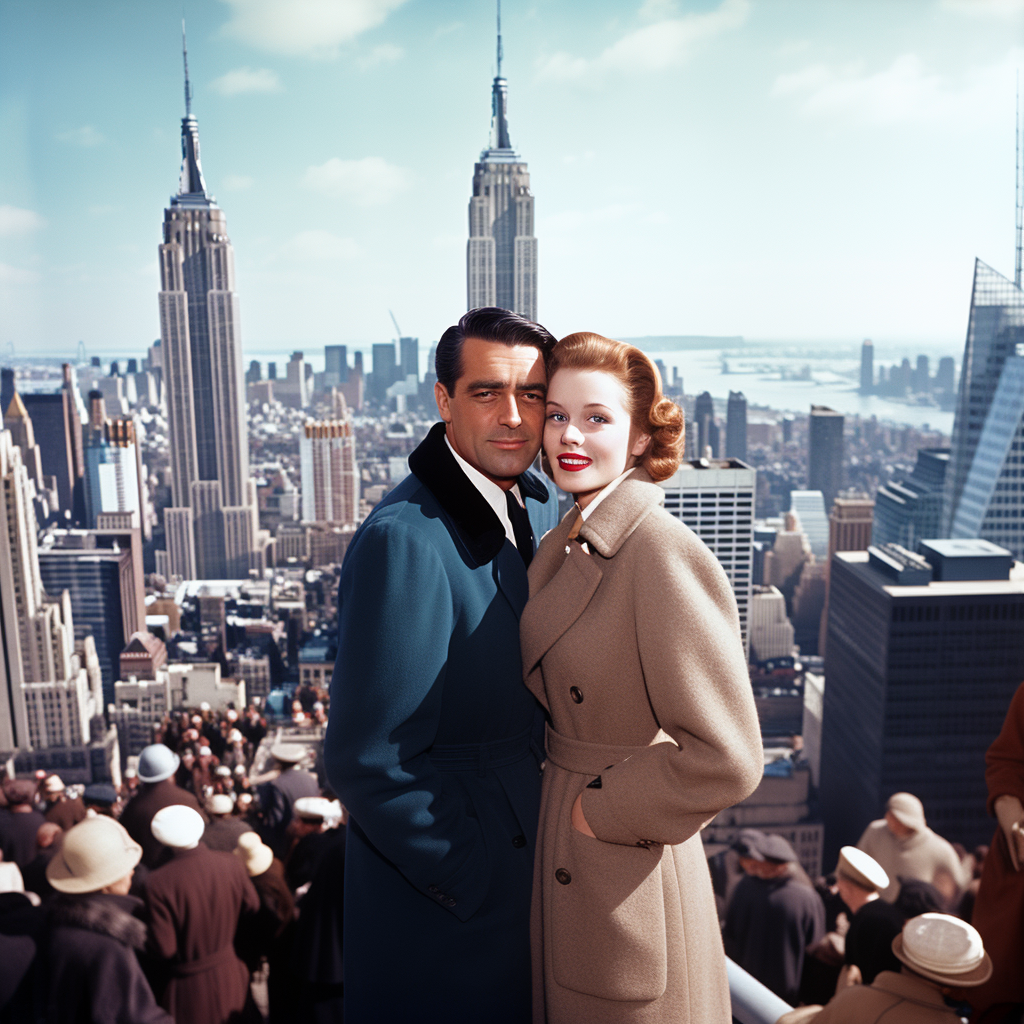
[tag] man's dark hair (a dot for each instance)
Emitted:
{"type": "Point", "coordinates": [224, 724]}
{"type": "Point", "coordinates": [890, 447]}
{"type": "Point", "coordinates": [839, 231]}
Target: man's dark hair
{"type": "Point", "coordinates": [488, 323]}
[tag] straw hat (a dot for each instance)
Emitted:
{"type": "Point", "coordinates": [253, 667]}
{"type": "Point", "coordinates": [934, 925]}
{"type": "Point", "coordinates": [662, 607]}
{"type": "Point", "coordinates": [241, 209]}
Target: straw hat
{"type": "Point", "coordinates": [95, 853]}
{"type": "Point", "coordinates": [943, 949]}
{"type": "Point", "coordinates": [907, 810]}
{"type": "Point", "coordinates": [178, 826]}
{"type": "Point", "coordinates": [253, 853]}
{"type": "Point", "coordinates": [861, 869]}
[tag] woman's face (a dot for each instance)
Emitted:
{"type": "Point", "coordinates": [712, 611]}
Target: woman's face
{"type": "Point", "coordinates": [589, 438]}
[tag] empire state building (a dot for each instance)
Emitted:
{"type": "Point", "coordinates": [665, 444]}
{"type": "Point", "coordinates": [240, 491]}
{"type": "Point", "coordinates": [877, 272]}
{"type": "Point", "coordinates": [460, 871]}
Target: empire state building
{"type": "Point", "coordinates": [501, 256]}
{"type": "Point", "coordinates": [211, 530]}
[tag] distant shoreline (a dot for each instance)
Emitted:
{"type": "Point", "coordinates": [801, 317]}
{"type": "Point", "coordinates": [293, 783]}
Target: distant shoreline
{"type": "Point", "coordinates": [684, 342]}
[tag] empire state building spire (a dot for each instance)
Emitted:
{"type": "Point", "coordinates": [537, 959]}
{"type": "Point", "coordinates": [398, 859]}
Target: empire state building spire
{"type": "Point", "coordinates": [501, 255]}
{"type": "Point", "coordinates": [191, 183]}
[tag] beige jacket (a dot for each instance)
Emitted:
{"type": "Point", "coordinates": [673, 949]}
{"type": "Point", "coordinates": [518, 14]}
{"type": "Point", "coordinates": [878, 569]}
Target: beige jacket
{"type": "Point", "coordinates": [924, 855]}
{"type": "Point", "coordinates": [635, 651]}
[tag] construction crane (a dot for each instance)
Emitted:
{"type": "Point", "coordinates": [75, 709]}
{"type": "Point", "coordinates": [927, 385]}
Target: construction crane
{"type": "Point", "coordinates": [395, 322]}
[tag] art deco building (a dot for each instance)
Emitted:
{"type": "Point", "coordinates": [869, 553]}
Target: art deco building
{"type": "Point", "coordinates": [330, 473]}
{"type": "Point", "coordinates": [501, 256]}
{"type": "Point", "coordinates": [984, 487]}
{"type": "Point", "coordinates": [203, 377]}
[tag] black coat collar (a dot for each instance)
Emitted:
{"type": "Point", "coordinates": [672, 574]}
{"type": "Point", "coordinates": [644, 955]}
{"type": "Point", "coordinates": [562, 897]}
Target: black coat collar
{"type": "Point", "coordinates": [480, 529]}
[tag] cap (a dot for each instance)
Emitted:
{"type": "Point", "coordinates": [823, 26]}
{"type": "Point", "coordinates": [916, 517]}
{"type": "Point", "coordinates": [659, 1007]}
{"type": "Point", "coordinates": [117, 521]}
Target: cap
{"type": "Point", "coordinates": [288, 753]}
{"type": "Point", "coordinates": [907, 810]}
{"type": "Point", "coordinates": [861, 869]}
{"type": "Point", "coordinates": [205, 751]}
{"type": "Point", "coordinates": [178, 826]}
{"type": "Point", "coordinates": [95, 853]}
{"type": "Point", "coordinates": [54, 784]}
{"type": "Point", "coordinates": [313, 808]}
{"type": "Point", "coordinates": [944, 949]}
{"type": "Point", "coordinates": [776, 848]}
{"type": "Point", "coordinates": [748, 843]}
{"type": "Point", "coordinates": [102, 793]}
{"type": "Point", "coordinates": [157, 762]}
{"type": "Point", "coordinates": [253, 853]}
{"type": "Point", "coordinates": [219, 803]}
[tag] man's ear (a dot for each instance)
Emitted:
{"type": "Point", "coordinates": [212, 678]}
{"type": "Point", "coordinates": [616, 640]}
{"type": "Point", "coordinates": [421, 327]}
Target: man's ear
{"type": "Point", "coordinates": [443, 400]}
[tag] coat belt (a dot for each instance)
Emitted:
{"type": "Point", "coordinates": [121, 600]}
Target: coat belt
{"type": "Point", "coordinates": [221, 958]}
{"type": "Point", "coordinates": [480, 757]}
{"type": "Point", "coordinates": [584, 758]}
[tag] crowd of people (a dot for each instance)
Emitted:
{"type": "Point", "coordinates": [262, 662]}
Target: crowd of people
{"type": "Point", "coordinates": [207, 889]}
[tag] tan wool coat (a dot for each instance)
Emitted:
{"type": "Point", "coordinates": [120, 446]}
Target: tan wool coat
{"type": "Point", "coordinates": [634, 649]}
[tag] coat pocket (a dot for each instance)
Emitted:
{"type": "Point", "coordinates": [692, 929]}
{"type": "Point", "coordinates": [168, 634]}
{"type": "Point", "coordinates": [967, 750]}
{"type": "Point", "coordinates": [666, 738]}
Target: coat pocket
{"type": "Point", "coordinates": [607, 919]}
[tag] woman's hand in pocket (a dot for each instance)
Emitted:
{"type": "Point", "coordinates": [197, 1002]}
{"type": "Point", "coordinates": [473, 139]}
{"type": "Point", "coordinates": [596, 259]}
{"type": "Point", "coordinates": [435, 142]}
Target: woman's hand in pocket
{"type": "Point", "coordinates": [578, 821]}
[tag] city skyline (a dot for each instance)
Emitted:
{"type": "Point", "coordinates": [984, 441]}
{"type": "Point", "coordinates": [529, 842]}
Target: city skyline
{"type": "Point", "coordinates": [808, 211]}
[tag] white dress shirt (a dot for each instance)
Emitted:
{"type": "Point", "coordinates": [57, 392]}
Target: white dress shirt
{"type": "Point", "coordinates": [492, 493]}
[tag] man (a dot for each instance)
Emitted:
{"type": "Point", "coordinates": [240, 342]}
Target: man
{"type": "Point", "coordinates": [195, 903]}
{"type": "Point", "coordinates": [906, 847]}
{"type": "Point", "coordinates": [287, 783]}
{"type": "Point", "coordinates": [224, 828]}
{"type": "Point", "coordinates": [432, 742]}
{"type": "Point", "coordinates": [874, 923]}
{"type": "Point", "coordinates": [61, 809]}
{"type": "Point", "coordinates": [19, 822]}
{"type": "Point", "coordinates": [772, 917]}
{"type": "Point", "coordinates": [940, 955]}
{"type": "Point", "coordinates": [157, 765]}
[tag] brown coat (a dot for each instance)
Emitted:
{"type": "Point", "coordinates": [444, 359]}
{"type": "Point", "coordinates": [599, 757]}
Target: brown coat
{"type": "Point", "coordinates": [635, 652]}
{"type": "Point", "coordinates": [195, 902]}
{"type": "Point", "coordinates": [893, 997]}
{"type": "Point", "coordinates": [137, 817]}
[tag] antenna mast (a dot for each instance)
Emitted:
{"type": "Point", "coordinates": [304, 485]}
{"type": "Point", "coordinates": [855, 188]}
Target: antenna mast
{"type": "Point", "coordinates": [1019, 194]}
{"type": "Point", "coordinates": [188, 86]}
{"type": "Point", "coordinates": [500, 52]}
{"type": "Point", "coordinates": [395, 322]}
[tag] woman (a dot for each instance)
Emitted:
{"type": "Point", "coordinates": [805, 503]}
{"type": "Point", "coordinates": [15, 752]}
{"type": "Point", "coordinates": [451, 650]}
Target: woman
{"type": "Point", "coordinates": [631, 642]}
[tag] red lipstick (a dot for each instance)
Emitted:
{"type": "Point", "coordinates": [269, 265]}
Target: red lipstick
{"type": "Point", "coordinates": [573, 463]}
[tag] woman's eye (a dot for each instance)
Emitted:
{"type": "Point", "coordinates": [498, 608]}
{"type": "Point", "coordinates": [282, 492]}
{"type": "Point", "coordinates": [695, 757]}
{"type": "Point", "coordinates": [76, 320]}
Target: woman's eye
{"type": "Point", "coordinates": [556, 416]}
{"type": "Point", "coordinates": [598, 419]}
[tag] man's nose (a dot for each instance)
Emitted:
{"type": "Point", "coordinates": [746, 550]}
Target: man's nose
{"type": "Point", "coordinates": [509, 415]}
{"type": "Point", "coordinates": [571, 435]}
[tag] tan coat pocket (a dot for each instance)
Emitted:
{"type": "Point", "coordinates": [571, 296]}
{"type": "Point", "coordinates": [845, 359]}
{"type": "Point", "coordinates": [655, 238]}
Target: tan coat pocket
{"type": "Point", "coordinates": [606, 918]}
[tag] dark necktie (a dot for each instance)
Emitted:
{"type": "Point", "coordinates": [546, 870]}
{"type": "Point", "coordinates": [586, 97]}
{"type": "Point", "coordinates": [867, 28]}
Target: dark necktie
{"type": "Point", "coordinates": [520, 527]}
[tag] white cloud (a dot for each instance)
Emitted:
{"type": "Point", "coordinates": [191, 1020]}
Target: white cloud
{"type": "Point", "coordinates": [304, 28]}
{"type": "Point", "coordinates": [245, 80]}
{"type": "Point", "coordinates": [15, 221]}
{"type": "Point", "coordinates": [1009, 9]}
{"type": "Point", "coordinates": [318, 245]}
{"type": "Point", "coordinates": [656, 46]}
{"type": "Point", "coordinates": [370, 181]}
{"type": "Point", "coordinates": [237, 182]}
{"type": "Point", "coordinates": [384, 54]}
{"type": "Point", "coordinates": [85, 136]}
{"type": "Point", "coordinates": [906, 91]}
{"type": "Point", "coordinates": [17, 275]}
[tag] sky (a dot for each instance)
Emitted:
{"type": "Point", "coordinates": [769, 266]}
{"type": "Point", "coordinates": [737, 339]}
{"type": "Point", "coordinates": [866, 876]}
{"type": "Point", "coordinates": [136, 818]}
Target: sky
{"type": "Point", "coordinates": [809, 170]}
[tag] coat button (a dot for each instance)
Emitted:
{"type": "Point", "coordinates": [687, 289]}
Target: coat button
{"type": "Point", "coordinates": [563, 876]}
{"type": "Point", "coordinates": [576, 694]}
{"type": "Point", "coordinates": [519, 842]}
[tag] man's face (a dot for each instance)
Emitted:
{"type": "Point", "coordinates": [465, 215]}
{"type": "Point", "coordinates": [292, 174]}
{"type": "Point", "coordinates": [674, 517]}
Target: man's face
{"type": "Point", "coordinates": [495, 416]}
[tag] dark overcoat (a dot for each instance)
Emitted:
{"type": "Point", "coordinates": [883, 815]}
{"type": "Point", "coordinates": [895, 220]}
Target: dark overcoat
{"type": "Point", "coordinates": [432, 745]}
{"type": "Point", "coordinates": [195, 902]}
{"type": "Point", "coordinates": [137, 817]}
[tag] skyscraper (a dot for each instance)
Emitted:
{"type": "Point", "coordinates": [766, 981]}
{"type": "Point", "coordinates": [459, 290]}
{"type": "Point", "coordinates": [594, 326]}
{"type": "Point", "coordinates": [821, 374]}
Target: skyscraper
{"type": "Point", "coordinates": [736, 426]}
{"type": "Point", "coordinates": [983, 495]}
{"type": "Point", "coordinates": [707, 428]}
{"type": "Point", "coordinates": [409, 349]}
{"type": "Point", "coordinates": [501, 255]}
{"type": "Point", "coordinates": [867, 367]}
{"type": "Point", "coordinates": [113, 467]}
{"type": "Point", "coordinates": [909, 510]}
{"type": "Point", "coordinates": [825, 459]}
{"type": "Point", "coordinates": [330, 473]}
{"type": "Point", "coordinates": [335, 365]}
{"type": "Point", "coordinates": [922, 659]}
{"type": "Point", "coordinates": [202, 363]}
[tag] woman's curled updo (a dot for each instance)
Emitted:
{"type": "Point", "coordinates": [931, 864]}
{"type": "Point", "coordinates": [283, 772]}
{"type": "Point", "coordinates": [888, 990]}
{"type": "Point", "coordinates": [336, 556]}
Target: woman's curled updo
{"type": "Point", "coordinates": [650, 411]}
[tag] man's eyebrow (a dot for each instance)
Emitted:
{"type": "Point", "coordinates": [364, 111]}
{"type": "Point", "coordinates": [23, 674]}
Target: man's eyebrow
{"type": "Point", "coordinates": [539, 386]}
{"type": "Point", "coordinates": [487, 385]}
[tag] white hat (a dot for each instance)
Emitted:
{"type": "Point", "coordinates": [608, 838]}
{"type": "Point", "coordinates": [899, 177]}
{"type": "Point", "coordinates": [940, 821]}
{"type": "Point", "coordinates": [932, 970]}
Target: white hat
{"type": "Point", "coordinates": [861, 869]}
{"type": "Point", "coordinates": [95, 853]}
{"type": "Point", "coordinates": [54, 784]}
{"type": "Point", "coordinates": [253, 853]}
{"type": "Point", "coordinates": [205, 751]}
{"type": "Point", "coordinates": [288, 753]}
{"type": "Point", "coordinates": [157, 762]}
{"type": "Point", "coordinates": [234, 736]}
{"type": "Point", "coordinates": [314, 808]}
{"type": "Point", "coordinates": [944, 949]}
{"type": "Point", "coordinates": [178, 826]}
{"type": "Point", "coordinates": [908, 810]}
{"type": "Point", "coordinates": [204, 706]}
{"type": "Point", "coordinates": [219, 803]}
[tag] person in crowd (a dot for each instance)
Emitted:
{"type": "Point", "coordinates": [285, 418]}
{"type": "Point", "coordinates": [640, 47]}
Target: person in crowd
{"type": "Point", "coordinates": [942, 959]}
{"type": "Point", "coordinates": [772, 917]}
{"type": "Point", "coordinates": [906, 847]}
{"type": "Point", "coordinates": [999, 905]}
{"type": "Point", "coordinates": [224, 827]}
{"type": "Point", "coordinates": [90, 969]}
{"type": "Point", "coordinates": [61, 808]}
{"type": "Point", "coordinates": [129, 783]}
{"type": "Point", "coordinates": [269, 934]}
{"type": "Point", "coordinates": [278, 794]}
{"type": "Point", "coordinates": [652, 730]}
{"type": "Point", "coordinates": [310, 828]}
{"type": "Point", "coordinates": [235, 751]}
{"type": "Point", "coordinates": [100, 798]}
{"type": "Point", "coordinates": [157, 766]}
{"type": "Point", "coordinates": [196, 902]}
{"type": "Point", "coordinates": [19, 822]}
{"type": "Point", "coordinates": [49, 840]}
{"type": "Point", "coordinates": [874, 923]}
{"type": "Point", "coordinates": [432, 741]}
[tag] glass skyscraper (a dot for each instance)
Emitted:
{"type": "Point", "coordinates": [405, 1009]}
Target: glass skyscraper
{"type": "Point", "coordinates": [983, 496]}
